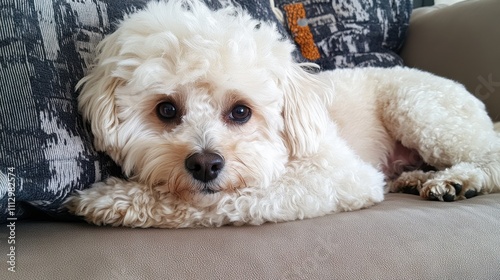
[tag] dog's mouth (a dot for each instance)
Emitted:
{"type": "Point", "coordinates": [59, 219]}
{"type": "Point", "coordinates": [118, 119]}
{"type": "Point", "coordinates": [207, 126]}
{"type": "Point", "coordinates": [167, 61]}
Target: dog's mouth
{"type": "Point", "coordinates": [208, 189]}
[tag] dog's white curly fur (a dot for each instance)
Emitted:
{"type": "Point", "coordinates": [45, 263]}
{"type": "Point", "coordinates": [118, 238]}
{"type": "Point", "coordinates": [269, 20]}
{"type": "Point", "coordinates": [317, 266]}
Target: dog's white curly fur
{"type": "Point", "coordinates": [314, 143]}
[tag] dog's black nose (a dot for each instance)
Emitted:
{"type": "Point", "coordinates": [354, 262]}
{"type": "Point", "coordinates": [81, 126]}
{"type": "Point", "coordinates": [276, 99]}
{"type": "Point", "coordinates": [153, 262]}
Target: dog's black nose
{"type": "Point", "coordinates": [204, 166]}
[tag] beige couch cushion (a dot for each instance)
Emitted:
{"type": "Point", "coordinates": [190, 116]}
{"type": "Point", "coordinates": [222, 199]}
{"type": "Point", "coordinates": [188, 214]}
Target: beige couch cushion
{"type": "Point", "coordinates": [404, 237]}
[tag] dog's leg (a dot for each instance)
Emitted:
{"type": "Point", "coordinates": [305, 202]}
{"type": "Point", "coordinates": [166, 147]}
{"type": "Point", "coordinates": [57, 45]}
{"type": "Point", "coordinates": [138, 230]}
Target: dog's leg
{"type": "Point", "coordinates": [118, 202]}
{"type": "Point", "coordinates": [451, 131]}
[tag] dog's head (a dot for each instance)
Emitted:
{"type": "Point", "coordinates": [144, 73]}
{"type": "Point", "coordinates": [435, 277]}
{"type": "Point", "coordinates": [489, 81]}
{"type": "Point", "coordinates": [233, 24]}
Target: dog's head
{"type": "Point", "coordinates": [195, 102]}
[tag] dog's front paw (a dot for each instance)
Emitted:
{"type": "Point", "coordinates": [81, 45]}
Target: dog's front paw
{"type": "Point", "coordinates": [113, 202]}
{"type": "Point", "coordinates": [97, 209]}
{"type": "Point", "coordinates": [434, 185]}
{"type": "Point", "coordinates": [120, 203]}
{"type": "Point", "coordinates": [446, 190]}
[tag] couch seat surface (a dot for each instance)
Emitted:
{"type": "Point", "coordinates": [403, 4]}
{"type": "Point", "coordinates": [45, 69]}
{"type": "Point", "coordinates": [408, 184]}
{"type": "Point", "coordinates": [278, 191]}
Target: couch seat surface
{"type": "Point", "coordinates": [404, 237]}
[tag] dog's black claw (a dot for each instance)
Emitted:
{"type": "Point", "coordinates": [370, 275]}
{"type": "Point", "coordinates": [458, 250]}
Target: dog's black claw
{"type": "Point", "coordinates": [432, 196]}
{"type": "Point", "coordinates": [457, 187]}
{"type": "Point", "coordinates": [448, 197]}
{"type": "Point", "coordinates": [470, 193]}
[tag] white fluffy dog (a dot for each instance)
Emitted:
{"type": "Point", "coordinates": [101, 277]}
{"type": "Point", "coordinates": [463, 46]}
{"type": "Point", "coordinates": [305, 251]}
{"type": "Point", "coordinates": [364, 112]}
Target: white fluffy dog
{"type": "Point", "coordinates": [214, 123]}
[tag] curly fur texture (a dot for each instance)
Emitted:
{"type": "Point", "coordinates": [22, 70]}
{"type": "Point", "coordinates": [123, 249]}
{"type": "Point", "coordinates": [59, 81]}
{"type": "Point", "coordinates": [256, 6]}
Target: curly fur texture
{"type": "Point", "coordinates": [313, 144]}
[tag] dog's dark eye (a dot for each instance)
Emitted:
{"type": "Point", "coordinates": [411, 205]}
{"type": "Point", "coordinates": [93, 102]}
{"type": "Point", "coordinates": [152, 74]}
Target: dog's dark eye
{"type": "Point", "coordinates": [166, 110]}
{"type": "Point", "coordinates": [240, 114]}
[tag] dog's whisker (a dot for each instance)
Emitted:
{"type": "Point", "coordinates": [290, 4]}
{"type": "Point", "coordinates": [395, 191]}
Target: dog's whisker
{"type": "Point", "coordinates": [238, 159]}
{"type": "Point", "coordinates": [241, 183]}
{"type": "Point", "coordinates": [248, 169]}
{"type": "Point", "coordinates": [169, 181]}
{"type": "Point", "coordinates": [242, 179]}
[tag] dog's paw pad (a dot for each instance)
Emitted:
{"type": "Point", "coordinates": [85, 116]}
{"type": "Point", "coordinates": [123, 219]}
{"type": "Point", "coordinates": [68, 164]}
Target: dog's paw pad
{"type": "Point", "coordinates": [470, 193]}
{"type": "Point", "coordinates": [448, 197]}
{"type": "Point", "coordinates": [458, 187]}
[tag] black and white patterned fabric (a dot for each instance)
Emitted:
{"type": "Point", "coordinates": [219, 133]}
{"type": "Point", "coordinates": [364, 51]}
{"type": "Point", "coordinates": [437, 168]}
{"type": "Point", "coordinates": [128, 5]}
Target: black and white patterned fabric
{"type": "Point", "coordinates": [46, 150]}
{"type": "Point", "coordinates": [356, 33]}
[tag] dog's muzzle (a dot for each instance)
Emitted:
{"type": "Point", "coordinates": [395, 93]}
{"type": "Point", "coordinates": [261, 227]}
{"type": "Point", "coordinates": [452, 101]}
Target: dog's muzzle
{"type": "Point", "coordinates": [204, 166]}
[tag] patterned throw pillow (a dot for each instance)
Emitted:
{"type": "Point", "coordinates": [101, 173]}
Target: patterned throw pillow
{"type": "Point", "coordinates": [46, 150]}
{"type": "Point", "coordinates": [347, 33]}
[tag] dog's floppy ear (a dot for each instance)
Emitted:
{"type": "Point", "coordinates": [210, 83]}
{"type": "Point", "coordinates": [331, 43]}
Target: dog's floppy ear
{"type": "Point", "coordinates": [304, 112]}
{"type": "Point", "coordinates": [96, 100]}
